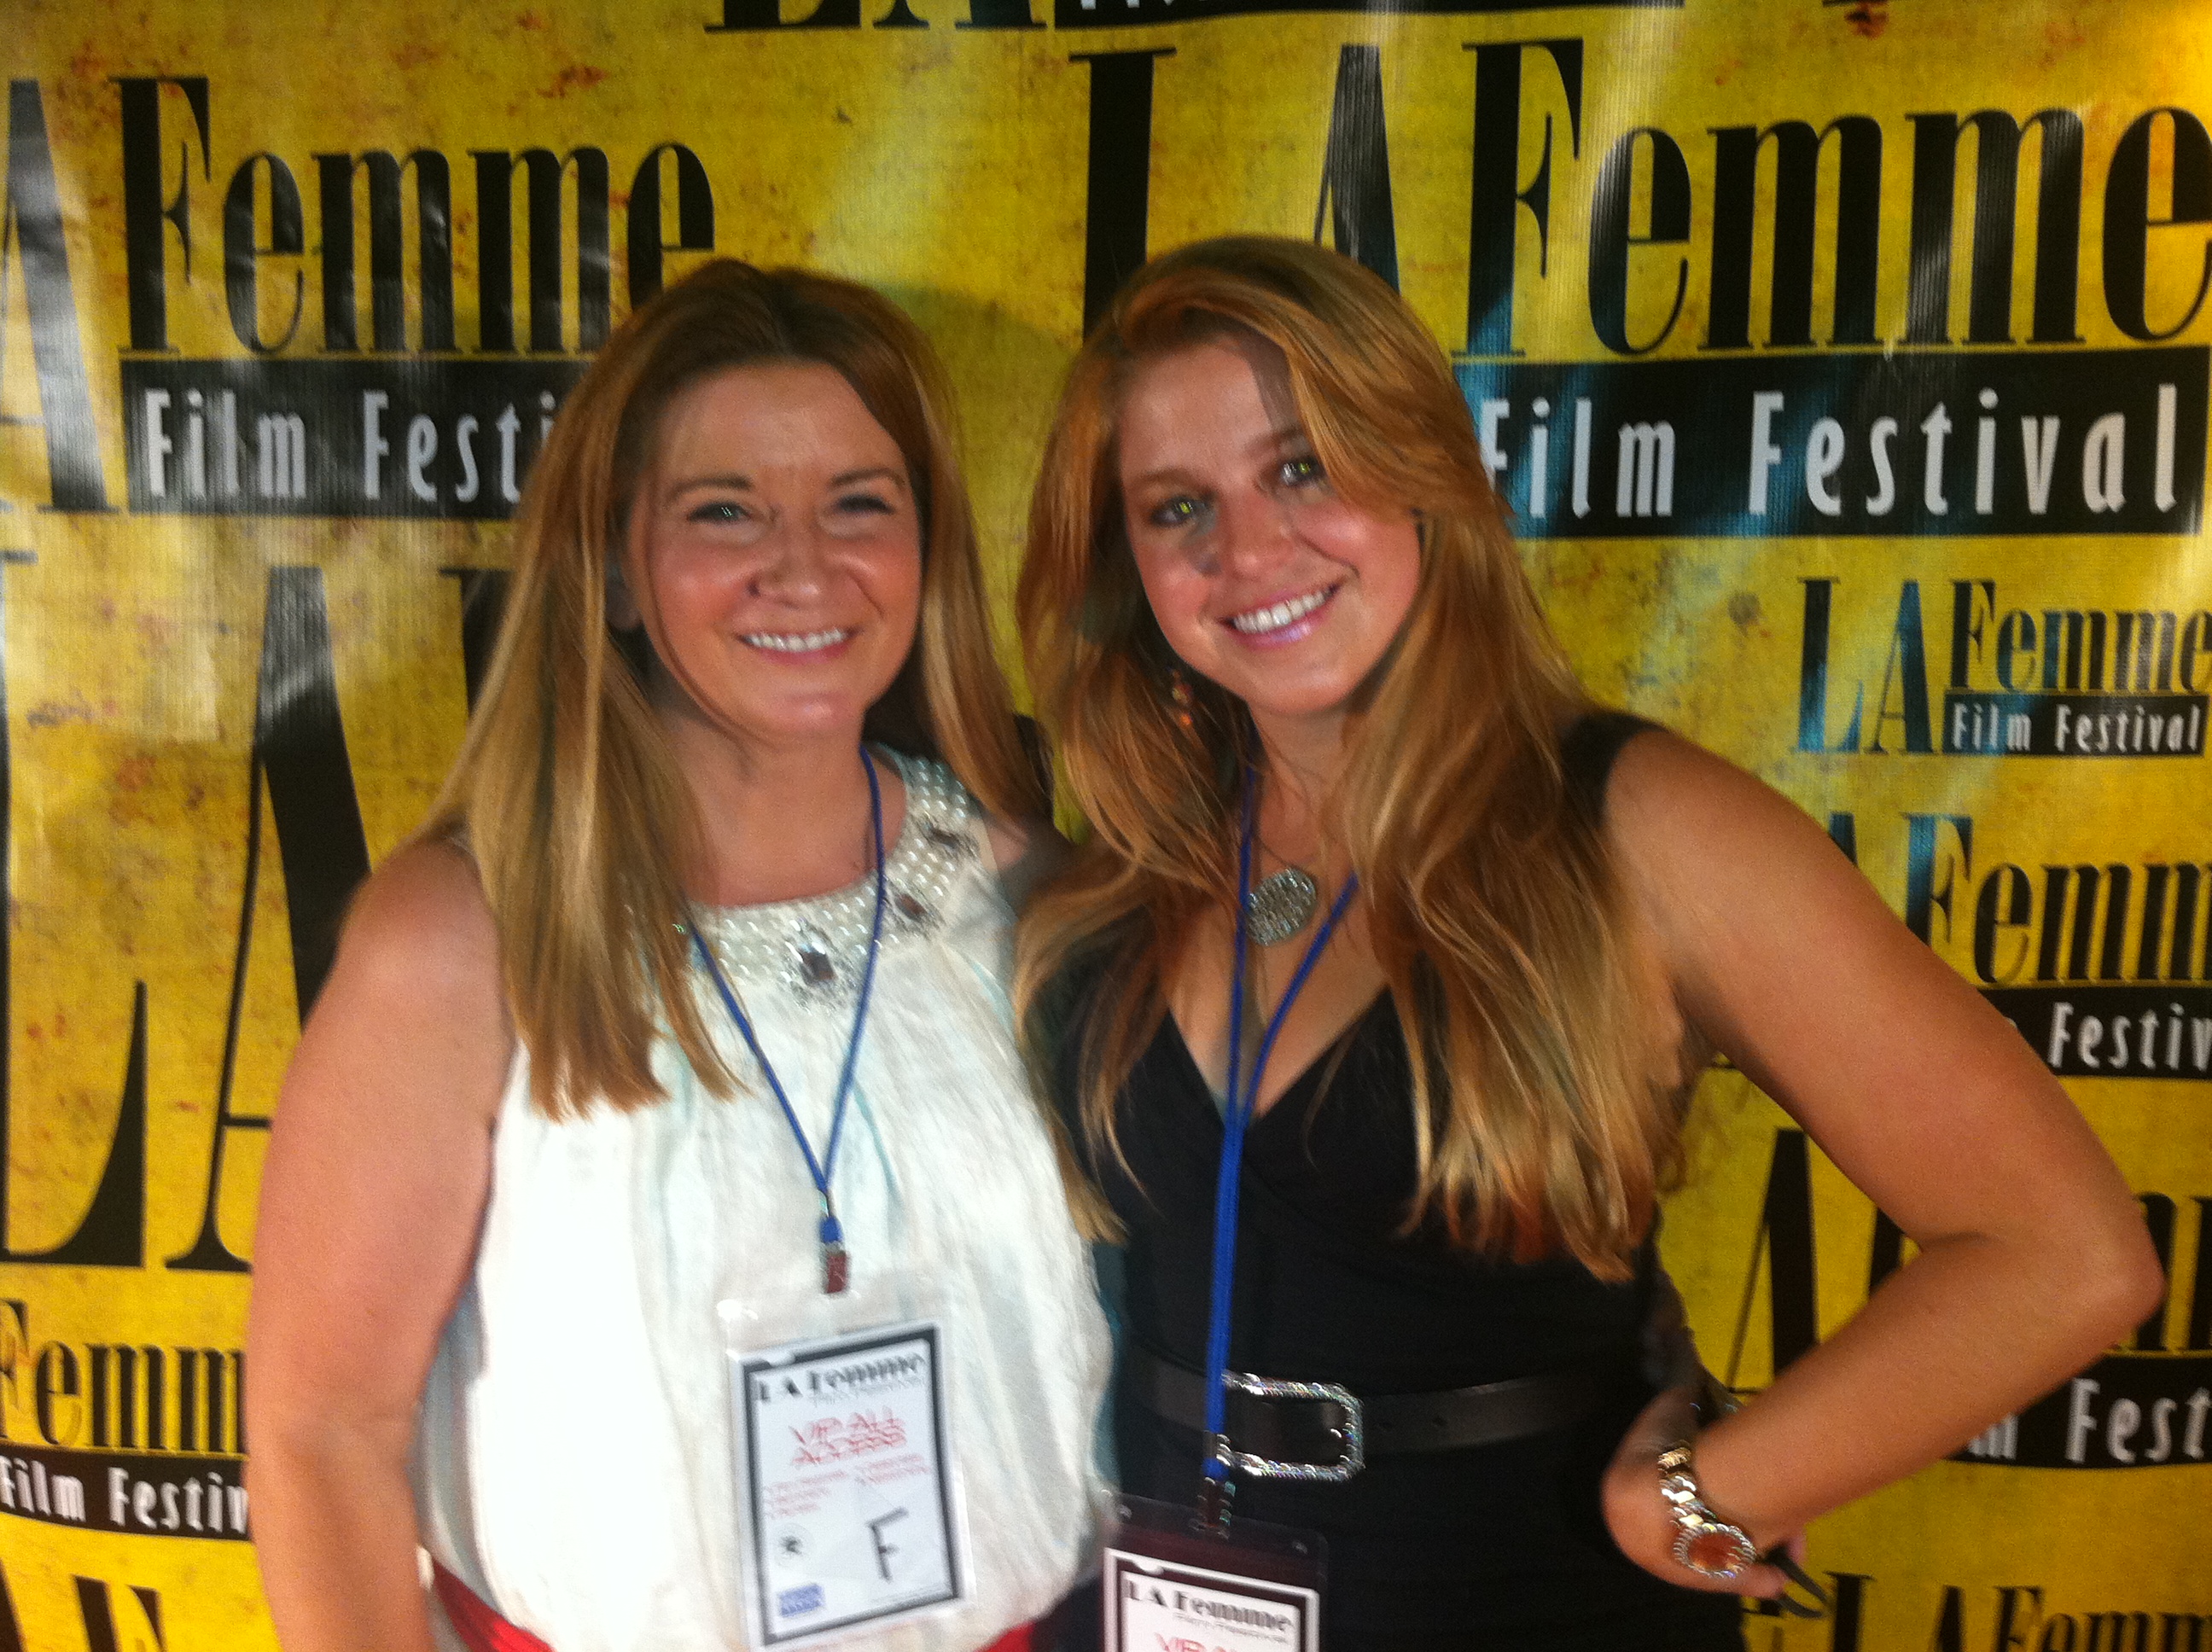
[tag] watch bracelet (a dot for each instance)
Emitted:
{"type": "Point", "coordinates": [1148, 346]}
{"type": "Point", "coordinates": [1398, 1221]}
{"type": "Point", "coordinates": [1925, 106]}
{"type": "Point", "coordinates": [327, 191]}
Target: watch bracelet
{"type": "Point", "coordinates": [1694, 1519]}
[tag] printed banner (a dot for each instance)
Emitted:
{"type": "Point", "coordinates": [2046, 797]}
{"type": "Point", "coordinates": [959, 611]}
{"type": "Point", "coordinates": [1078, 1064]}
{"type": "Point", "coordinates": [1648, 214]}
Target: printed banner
{"type": "Point", "coordinates": [1844, 361]}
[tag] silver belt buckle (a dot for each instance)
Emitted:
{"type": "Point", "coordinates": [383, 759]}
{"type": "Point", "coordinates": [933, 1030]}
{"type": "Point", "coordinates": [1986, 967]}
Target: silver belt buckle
{"type": "Point", "coordinates": [1351, 1437]}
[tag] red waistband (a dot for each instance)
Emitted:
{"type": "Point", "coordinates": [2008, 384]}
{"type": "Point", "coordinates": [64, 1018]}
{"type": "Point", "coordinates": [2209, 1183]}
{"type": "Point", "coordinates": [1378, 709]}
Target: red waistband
{"type": "Point", "coordinates": [482, 1629]}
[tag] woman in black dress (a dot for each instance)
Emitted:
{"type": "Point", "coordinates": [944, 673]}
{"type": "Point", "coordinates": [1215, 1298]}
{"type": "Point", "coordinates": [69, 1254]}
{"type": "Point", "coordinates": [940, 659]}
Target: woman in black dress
{"type": "Point", "coordinates": [1277, 626]}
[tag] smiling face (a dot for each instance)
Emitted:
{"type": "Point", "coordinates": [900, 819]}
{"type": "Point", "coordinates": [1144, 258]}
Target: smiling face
{"type": "Point", "coordinates": [1262, 577]}
{"type": "Point", "coordinates": [776, 539]}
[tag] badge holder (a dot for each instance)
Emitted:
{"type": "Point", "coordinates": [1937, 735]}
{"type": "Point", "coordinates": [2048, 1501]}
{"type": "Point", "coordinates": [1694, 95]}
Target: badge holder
{"type": "Point", "coordinates": [850, 1519]}
{"type": "Point", "coordinates": [1173, 1579]}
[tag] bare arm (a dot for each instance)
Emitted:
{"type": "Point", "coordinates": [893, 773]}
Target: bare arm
{"type": "Point", "coordinates": [2033, 1257]}
{"type": "Point", "coordinates": [375, 1184]}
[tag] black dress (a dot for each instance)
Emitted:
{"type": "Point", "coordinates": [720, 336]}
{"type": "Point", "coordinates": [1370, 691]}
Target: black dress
{"type": "Point", "coordinates": [1496, 1547]}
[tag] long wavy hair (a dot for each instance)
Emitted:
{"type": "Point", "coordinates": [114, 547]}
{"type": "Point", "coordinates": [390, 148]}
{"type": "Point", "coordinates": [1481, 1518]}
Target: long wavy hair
{"type": "Point", "coordinates": [566, 791]}
{"type": "Point", "coordinates": [1542, 1116]}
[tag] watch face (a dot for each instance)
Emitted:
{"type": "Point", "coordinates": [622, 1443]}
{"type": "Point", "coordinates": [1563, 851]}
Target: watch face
{"type": "Point", "coordinates": [1718, 1551]}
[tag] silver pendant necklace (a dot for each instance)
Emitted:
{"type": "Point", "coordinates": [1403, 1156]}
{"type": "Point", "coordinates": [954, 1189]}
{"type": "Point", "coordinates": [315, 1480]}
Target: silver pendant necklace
{"type": "Point", "coordinates": [1280, 905]}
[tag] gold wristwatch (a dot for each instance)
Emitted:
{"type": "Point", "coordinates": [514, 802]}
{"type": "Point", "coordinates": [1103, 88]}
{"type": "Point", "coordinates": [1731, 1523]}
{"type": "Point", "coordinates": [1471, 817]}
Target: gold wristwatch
{"type": "Point", "coordinates": [1703, 1542]}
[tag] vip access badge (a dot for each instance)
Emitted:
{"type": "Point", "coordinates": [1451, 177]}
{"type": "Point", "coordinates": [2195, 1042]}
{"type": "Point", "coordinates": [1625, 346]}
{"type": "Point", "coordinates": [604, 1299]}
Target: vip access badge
{"type": "Point", "coordinates": [848, 1509]}
{"type": "Point", "coordinates": [1173, 1583]}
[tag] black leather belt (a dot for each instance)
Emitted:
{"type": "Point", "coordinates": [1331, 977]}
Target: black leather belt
{"type": "Point", "coordinates": [1322, 1431]}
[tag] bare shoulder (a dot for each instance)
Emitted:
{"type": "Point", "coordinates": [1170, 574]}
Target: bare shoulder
{"type": "Point", "coordinates": [1704, 846]}
{"type": "Point", "coordinates": [425, 901]}
{"type": "Point", "coordinates": [1027, 853]}
{"type": "Point", "coordinates": [418, 965]}
{"type": "Point", "coordinates": [1672, 806]}
{"type": "Point", "coordinates": [1720, 864]}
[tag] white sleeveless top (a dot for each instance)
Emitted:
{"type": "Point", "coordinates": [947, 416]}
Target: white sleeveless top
{"type": "Point", "coordinates": [572, 1456]}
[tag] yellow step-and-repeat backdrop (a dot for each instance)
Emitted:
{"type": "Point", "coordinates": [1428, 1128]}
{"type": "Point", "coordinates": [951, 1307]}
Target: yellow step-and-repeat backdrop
{"type": "Point", "coordinates": [1845, 365]}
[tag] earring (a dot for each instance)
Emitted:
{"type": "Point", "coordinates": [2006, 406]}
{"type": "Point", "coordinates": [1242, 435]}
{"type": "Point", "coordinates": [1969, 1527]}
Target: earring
{"type": "Point", "coordinates": [1181, 697]}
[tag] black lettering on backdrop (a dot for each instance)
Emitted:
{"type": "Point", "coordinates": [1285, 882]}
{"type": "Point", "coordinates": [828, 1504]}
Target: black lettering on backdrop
{"type": "Point", "coordinates": [31, 221]}
{"type": "Point", "coordinates": [1950, 1634]}
{"type": "Point", "coordinates": [695, 218]}
{"type": "Point", "coordinates": [999, 14]}
{"type": "Point", "coordinates": [242, 250]}
{"type": "Point", "coordinates": [1996, 175]}
{"type": "Point", "coordinates": [116, 1398]}
{"type": "Point", "coordinates": [1905, 665]}
{"type": "Point", "coordinates": [757, 16]}
{"type": "Point", "coordinates": [97, 1609]}
{"type": "Point", "coordinates": [1849, 1623]}
{"type": "Point", "coordinates": [377, 181]}
{"type": "Point", "coordinates": [11, 1627]}
{"type": "Point", "coordinates": [542, 171]}
{"type": "Point", "coordinates": [433, 268]}
{"type": "Point", "coordinates": [2066, 682]}
{"type": "Point", "coordinates": [2021, 1622]}
{"type": "Point", "coordinates": [2014, 1625]}
{"type": "Point", "coordinates": [2158, 1217]}
{"type": "Point", "coordinates": [1131, 13]}
{"type": "Point", "coordinates": [211, 1400]}
{"type": "Point", "coordinates": [1355, 175]}
{"type": "Point", "coordinates": [1493, 219]}
{"type": "Point", "coordinates": [2127, 221]}
{"type": "Point", "coordinates": [1789, 292]}
{"type": "Point", "coordinates": [1612, 241]}
{"type": "Point", "coordinates": [1853, 269]}
{"type": "Point", "coordinates": [2198, 1328]}
{"type": "Point", "coordinates": [1119, 174]}
{"type": "Point", "coordinates": [144, 212]}
{"type": "Point", "coordinates": [1813, 671]}
{"type": "Point", "coordinates": [2085, 883]}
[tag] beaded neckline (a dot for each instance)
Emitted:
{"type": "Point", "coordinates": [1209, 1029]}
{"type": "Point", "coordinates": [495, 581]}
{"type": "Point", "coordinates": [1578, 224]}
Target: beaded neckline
{"type": "Point", "coordinates": [815, 948]}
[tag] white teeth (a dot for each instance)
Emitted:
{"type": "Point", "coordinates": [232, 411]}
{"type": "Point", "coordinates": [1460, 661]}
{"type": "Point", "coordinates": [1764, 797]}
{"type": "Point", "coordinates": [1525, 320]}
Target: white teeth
{"type": "Point", "coordinates": [1275, 618]}
{"type": "Point", "coordinates": [793, 642]}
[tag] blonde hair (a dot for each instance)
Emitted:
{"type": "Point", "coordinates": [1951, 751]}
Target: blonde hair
{"type": "Point", "coordinates": [1494, 909]}
{"type": "Point", "coordinates": [567, 793]}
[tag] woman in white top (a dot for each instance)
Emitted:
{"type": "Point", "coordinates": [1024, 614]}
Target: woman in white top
{"type": "Point", "coordinates": [690, 998]}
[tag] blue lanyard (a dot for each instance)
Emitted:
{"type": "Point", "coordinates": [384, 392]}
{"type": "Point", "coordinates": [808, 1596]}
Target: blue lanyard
{"type": "Point", "coordinates": [835, 1269]}
{"type": "Point", "coordinates": [1236, 1117]}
